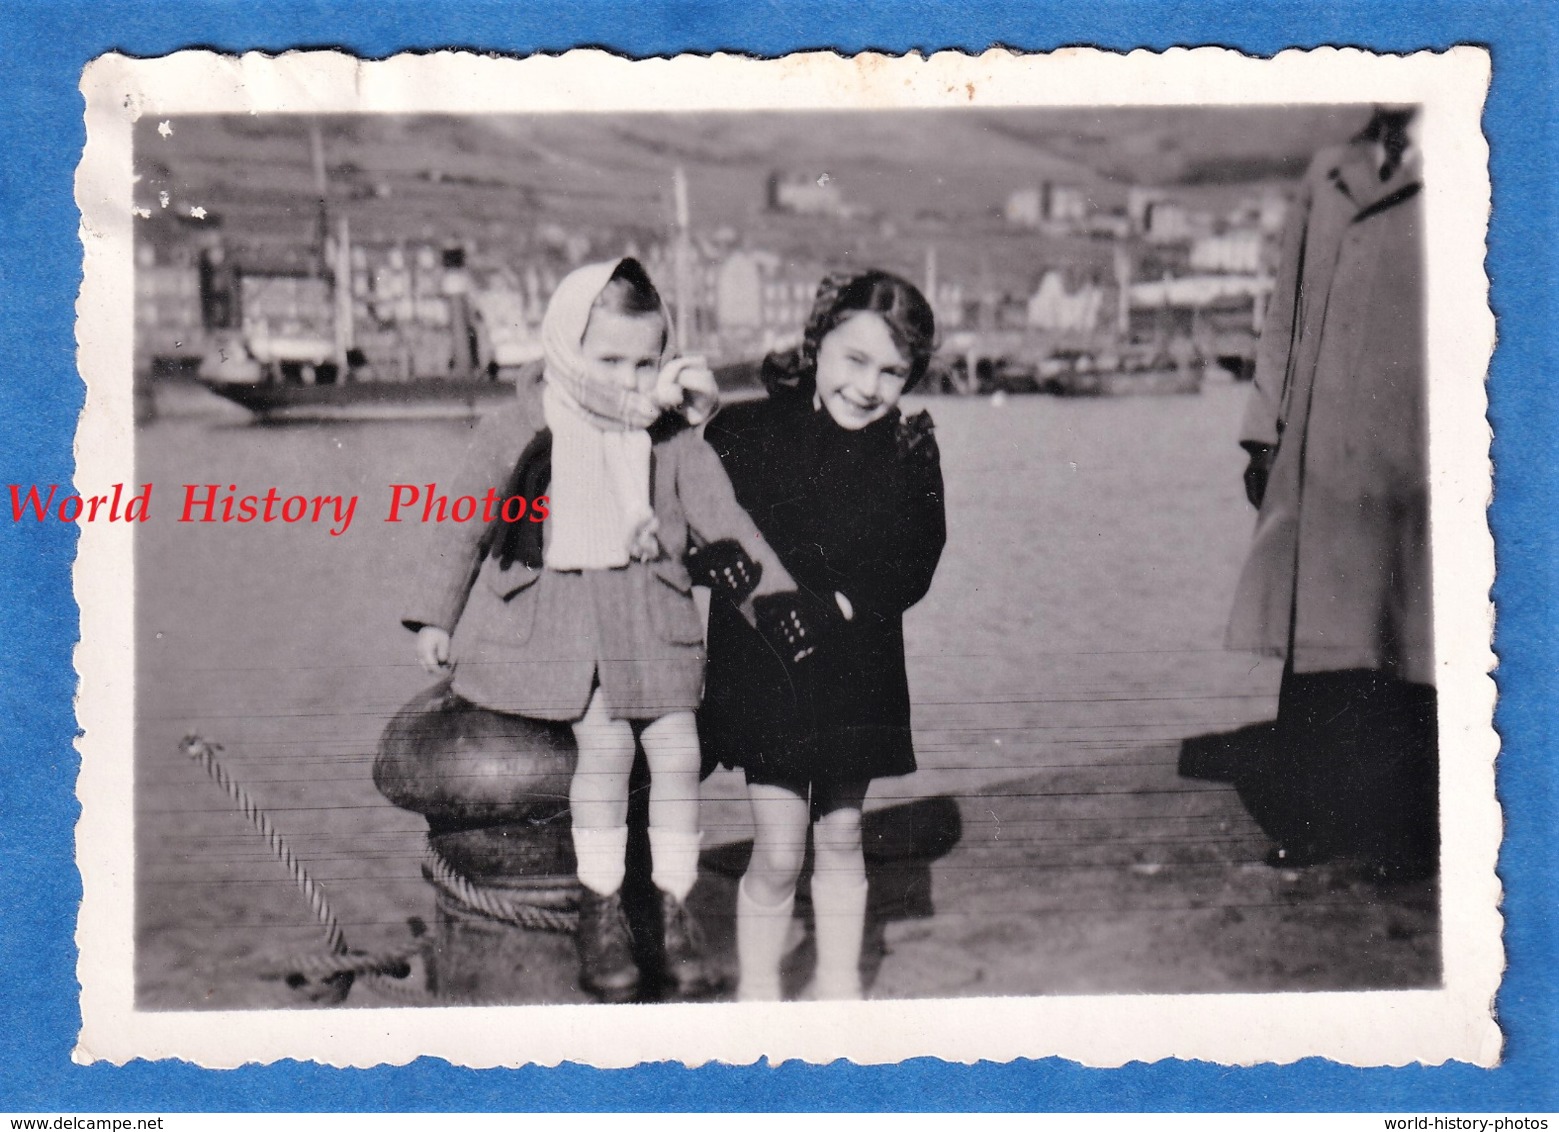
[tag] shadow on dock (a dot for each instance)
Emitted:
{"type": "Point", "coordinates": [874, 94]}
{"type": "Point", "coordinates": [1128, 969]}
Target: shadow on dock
{"type": "Point", "coordinates": [1115, 876]}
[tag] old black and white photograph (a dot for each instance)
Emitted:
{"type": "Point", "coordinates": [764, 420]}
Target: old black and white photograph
{"type": "Point", "coordinates": [768, 551]}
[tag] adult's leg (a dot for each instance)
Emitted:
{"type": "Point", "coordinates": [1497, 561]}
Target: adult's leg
{"type": "Point", "coordinates": [1287, 792]}
{"type": "Point", "coordinates": [1395, 778]}
{"type": "Point", "coordinates": [766, 896]}
{"type": "Point", "coordinates": [1357, 772]}
{"type": "Point", "coordinates": [838, 889]}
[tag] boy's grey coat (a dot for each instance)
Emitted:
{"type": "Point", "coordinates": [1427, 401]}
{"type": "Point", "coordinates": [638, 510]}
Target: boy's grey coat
{"type": "Point", "coordinates": [533, 642]}
{"type": "Point", "coordinates": [1340, 555]}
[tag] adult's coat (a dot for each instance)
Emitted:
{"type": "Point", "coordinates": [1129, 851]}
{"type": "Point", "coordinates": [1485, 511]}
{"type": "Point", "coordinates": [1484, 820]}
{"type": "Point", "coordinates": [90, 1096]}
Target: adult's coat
{"type": "Point", "coordinates": [1338, 576]}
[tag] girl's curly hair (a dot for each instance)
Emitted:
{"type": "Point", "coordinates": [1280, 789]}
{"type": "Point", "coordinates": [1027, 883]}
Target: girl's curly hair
{"type": "Point", "coordinates": [898, 302]}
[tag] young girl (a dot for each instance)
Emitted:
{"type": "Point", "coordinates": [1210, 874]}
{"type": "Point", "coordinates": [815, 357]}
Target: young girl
{"type": "Point", "coordinates": [850, 495]}
{"type": "Point", "coordinates": [592, 620]}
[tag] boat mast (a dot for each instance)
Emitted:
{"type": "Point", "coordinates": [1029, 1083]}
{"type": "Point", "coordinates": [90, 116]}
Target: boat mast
{"type": "Point", "coordinates": [683, 257]}
{"type": "Point", "coordinates": [321, 190]}
{"type": "Point", "coordinates": [1123, 276]}
{"type": "Point", "coordinates": [343, 294]}
{"type": "Point", "coordinates": [337, 275]}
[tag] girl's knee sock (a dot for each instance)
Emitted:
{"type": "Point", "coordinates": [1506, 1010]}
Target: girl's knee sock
{"type": "Point", "coordinates": [601, 854]}
{"type": "Point", "coordinates": [760, 945]}
{"type": "Point", "coordinates": [839, 910]}
{"type": "Point", "coordinates": [674, 859]}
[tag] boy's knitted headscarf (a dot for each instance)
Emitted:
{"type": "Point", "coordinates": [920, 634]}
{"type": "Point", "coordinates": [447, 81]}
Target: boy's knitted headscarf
{"type": "Point", "coordinates": [611, 408]}
{"type": "Point", "coordinates": [600, 494]}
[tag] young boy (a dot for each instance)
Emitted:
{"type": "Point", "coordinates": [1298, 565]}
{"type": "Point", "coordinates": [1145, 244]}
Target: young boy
{"type": "Point", "coordinates": [594, 622]}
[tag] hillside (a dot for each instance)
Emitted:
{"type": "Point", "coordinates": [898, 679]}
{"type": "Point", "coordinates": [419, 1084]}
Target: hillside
{"type": "Point", "coordinates": [933, 176]}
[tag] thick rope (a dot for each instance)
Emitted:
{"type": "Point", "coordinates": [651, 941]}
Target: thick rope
{"type": "Point", "coordinates": [205, 754]}
{"type": "Point", "coordinates": [409, 993]}
{"type": "Point", "coordinates": [395, 965]}
{"type": "Point", "coordinates": [497, 904]}
{"type": "Point", "coordinates": [384, 971]}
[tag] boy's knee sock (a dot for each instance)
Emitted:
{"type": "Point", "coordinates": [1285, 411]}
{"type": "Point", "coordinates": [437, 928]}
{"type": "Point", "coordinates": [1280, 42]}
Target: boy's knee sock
{"type": "Point", "coordinates": [839, 910]}
{"type": "Point", "coordinates": [674, 859]}
{"type": "Point", "coordinates": [760, 945]}
{"type": "Point", "coordinates": [601, 854]}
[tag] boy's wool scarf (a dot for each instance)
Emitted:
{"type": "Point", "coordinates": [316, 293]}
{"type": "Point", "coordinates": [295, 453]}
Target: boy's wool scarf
{"type": "Point", "coordinates": [601, 516]}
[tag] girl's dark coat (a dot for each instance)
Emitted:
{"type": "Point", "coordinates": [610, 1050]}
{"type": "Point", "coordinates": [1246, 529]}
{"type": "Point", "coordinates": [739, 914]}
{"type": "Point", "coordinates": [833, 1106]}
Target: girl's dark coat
{"type": "Point", "coordinates": [858, 513]}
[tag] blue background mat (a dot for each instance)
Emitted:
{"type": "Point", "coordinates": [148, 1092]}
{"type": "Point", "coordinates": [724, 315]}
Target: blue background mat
{"type": "Point", "coordinates": [43, 47]}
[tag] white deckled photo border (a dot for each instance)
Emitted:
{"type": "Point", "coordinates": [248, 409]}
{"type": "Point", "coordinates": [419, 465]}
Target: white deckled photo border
{"type": "Point", "coordinates": [1453, 1022]}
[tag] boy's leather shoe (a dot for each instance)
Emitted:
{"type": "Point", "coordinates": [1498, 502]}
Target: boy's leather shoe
{"type": "Point", "coordinates": [688, 971]}
{"type": "Point", "coordinates": [605, 944]}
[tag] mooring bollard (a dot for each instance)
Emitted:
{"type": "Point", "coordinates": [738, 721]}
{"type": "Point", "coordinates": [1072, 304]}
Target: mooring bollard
{"type": "Point", "coordinates": [504, 920]}
{"type": "Point", "coordinates": [500, 857]}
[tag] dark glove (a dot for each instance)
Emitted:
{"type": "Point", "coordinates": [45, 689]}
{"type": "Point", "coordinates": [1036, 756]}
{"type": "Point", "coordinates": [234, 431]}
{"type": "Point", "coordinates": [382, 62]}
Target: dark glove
{"type": "Point", "coordinates": [725, 568]}
{"type": "Point", "coordinates": [1257, 471]}
{"type": "Point", "coordinates": [792, 622]}
{"type": "Point", "coordinates": [916, 439]}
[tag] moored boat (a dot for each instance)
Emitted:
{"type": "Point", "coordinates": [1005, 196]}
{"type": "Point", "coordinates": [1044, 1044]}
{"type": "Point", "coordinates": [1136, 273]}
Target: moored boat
{"type": "Point", "coordinates": [415, 398]}
{"type": "Point", "coordinates": [1159, 380]}
{"type": "Point", "coordinates": [420, 397]}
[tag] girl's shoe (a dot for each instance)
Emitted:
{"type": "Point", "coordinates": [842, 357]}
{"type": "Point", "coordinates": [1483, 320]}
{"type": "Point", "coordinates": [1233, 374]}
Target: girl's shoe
{"type": "Point", "coordinates": [689, 973]}
{"type": "Point", "coordinates": [605, 944]}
